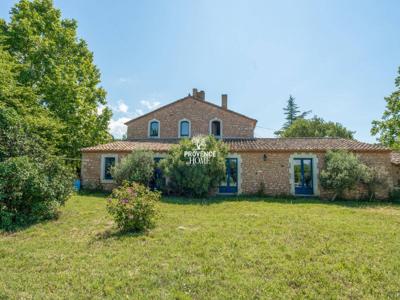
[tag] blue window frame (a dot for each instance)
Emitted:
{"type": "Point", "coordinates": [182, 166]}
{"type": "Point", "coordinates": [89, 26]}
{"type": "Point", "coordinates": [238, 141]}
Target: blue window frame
{"type": "Point", "coordinates": [216, 128]}
{"type": "Point", "coordinates": [230, 185]}
{"type": "Point", "coordinates": [303, 176]}
{"type": "Point", "coordinates": [109, 162]}
{"type": "Point", "coordinates": [154, 129]}
{"type": "Point", "coordinates": [184, 129]}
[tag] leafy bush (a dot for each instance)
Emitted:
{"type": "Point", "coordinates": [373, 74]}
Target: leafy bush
{"type": "Point", "coordinates": [32, 190]}
{"type": "Point", "coordinates": [135, 167]}
{"type": "Point", "coordinates": [133, 207]}
{"type": "Point", "coordinates": [195, 180]}
{"type": "Point", "coordinates": [374, 178]}
{"type": "Point", "coordinates": [342, 171]}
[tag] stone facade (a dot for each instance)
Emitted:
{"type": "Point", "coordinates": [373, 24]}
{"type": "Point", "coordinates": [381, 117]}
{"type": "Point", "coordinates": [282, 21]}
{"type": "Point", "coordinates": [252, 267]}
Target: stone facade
{"type": "Point", "coordinates": [267, 162]}
{"type": "Point", "coordinates": [200, 113]}
{"type": "Point", "coordinates": [275, 173]}
{"type": "Point", "coordinates": [91, 170]}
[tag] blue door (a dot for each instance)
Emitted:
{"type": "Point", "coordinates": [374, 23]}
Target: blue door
{"type": "Point", "coordinates": [230, 185]}
{"type": "Point", "coordinates": [303, 176]}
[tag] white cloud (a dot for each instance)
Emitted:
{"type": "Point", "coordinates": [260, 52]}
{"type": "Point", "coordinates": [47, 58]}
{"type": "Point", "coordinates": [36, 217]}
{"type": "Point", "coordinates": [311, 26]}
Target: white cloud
{"type": "Point", "coordinates": [117, 127]}
{"type": "Point", "coordinates": [122, 107]}
{"type": "Point", "coordinates": [150, 105]}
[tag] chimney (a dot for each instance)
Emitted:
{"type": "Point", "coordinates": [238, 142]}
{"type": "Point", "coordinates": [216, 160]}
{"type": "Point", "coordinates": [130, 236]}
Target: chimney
{"type": "Point", "coordinates": [224, 101]}
{"type": "Point", "coordinates": [201, 95]}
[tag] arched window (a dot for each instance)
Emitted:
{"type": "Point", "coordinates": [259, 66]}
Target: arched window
{"type": "Point", "coordinates": [216, 128]}
{"type": "Point", "coordinates": [184, 128]}
{"type": "Point", "coordinates": [154, 128]}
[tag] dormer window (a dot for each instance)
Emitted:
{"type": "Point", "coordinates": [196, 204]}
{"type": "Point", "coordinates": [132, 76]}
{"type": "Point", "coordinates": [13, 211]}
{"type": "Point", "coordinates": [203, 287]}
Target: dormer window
{"type": "Point", "coordinates": [216, 128]}
{"type": "Point", "coordinates": [184, 128]}
{"type": "Point", "coordinates": [154, 129]}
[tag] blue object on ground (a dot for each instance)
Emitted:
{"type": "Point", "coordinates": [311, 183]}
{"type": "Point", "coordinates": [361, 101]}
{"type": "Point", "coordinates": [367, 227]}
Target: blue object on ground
{"type": "Point", "coordinates": [77, 184]}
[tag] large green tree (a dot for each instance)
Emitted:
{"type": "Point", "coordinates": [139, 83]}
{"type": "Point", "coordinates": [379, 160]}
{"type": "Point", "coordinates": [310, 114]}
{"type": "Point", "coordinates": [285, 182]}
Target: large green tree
{"type": "Point", "coordinates": [316, 127]}
{"type": "Point", "coordinates": [24, 102]}
{"type": "Point", "coordinates": [58, 68]}
{"type": "Point", "coordinates": [388, 128]}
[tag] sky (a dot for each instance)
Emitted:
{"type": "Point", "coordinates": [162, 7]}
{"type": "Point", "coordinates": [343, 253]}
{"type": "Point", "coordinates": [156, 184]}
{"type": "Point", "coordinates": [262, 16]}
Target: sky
{"type": "Point", "coordinates": [337, 58]}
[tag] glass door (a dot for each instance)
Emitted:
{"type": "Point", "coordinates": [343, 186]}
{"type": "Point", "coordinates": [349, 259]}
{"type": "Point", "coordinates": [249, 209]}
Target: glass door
{"type": "Point", "coordinates": [230, 185]}
{"type": "Point", "coordinates": [303, 176]}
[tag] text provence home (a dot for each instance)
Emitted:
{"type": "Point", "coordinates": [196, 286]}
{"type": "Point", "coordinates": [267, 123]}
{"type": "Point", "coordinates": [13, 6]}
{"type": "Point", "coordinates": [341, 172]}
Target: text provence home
{"type": "Point", "coordinates": [199, 157]}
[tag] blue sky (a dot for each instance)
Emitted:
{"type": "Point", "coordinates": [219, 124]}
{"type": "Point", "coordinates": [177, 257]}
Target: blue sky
{"type": "Point", "coordinates": [338, 58]}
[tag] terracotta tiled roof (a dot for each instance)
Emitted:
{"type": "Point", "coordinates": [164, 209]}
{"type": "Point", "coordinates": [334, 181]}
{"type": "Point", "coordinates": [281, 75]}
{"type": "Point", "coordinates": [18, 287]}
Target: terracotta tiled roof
{"type": "Point", "coordinates": [301, 144]}
{"type": "Point", "coordinates": [248, 145]}
{"type": "Point", "coordinates": [129, 146]}
{"type": "Point", "coordinates": [395, 158]}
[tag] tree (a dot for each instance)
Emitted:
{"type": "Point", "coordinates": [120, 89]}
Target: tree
{"type": "Point", "coordinates": [389, 127]}
{"type": "Point", "coordinates": [374, 178]}
{"type": "Point", "coordinates": [342, 171]}
{"type": "Point", "coordinates": [188, 170]}
{"type": "Point", "coordinates": [33, 183]}
{"type": "Point", "coordinates": [23, 101]}
{"type": "Point", "coordinates": [292, 113]}
{"type": "Point", "coordinates": [135, 167]}
{"type": "Point", "coordinates": [59, 68]}
{"type": "Point", "coordinates": [316, 127]}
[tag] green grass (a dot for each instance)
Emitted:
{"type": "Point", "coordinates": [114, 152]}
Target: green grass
{"type": "Point", "coordinates": [226, 248]}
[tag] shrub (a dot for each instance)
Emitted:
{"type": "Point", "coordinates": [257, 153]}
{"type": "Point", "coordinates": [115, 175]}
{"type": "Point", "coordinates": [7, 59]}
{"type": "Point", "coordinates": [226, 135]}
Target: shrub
{"type": "Point", "coordinates": [374, 178]}
{"type": "Point", "coordinates": [195, 180]}
{"type": "Point", "coordinates": [342, 171]}
{"type": "Point", "coordinates": [133, 207]}
{"type": "Point", "coordinates": [135, 167]}
{"type": "Point", "coordinates": [31, 190]}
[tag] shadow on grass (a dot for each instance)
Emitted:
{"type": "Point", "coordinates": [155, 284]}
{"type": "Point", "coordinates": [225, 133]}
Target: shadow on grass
{"type": "Point", "coordinates": [115, 234]}
{"type": "Point", "coordinates": [16, 228]}
{"type": "Point", "coordinates": [280, 200]}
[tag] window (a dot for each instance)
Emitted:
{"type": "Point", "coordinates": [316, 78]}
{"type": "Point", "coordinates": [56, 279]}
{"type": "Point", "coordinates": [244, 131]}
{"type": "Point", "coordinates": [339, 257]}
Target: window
{"type": "Point", "coordinates": [154, 128]}
{"type": "Point", "coordinates": [107, 162]}
{"type": "Point", "coordinates": [184, 128]}
{"type": "Point", "coordinates": [216, 128]}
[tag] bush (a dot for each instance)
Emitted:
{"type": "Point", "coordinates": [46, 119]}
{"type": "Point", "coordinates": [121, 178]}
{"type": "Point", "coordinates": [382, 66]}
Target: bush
{"type": "Point", "coordinates": [133, 207]}
{"type": "Point", "coordinates": [342, 171]}
{"type": "Point", "coordinates": [32, 190]}
{"type": "Point", "coordinates": [195, 180]}
{"type": "Point", "coordinates": [374, 178]}
{"type": "Point", "coordinates": [135, 167]}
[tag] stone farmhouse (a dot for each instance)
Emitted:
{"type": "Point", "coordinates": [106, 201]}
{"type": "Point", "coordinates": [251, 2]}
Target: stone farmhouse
{"type": "Point", "coordinates": [285, 166]}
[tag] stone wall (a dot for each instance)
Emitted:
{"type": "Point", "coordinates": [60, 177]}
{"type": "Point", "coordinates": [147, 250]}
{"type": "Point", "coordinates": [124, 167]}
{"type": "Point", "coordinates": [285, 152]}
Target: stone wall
{"type": "Point", "coordinates": [274, 172]}
{"type": "Point", "coordinates": [199, 113]}
{"type": "Point", "coordinates": [396, 175]}
{"type": "Point", "coordinates": [91, 171]}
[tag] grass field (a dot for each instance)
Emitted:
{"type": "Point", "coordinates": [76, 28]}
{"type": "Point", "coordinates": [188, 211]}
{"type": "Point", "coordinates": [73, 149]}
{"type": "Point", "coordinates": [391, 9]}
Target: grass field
{"type": "Point", "coordinates": [234, 249]}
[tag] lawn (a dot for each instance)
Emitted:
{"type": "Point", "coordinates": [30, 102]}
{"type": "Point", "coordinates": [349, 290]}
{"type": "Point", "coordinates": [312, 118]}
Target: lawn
{"type": "Point", "coordinates": [227, 248]}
